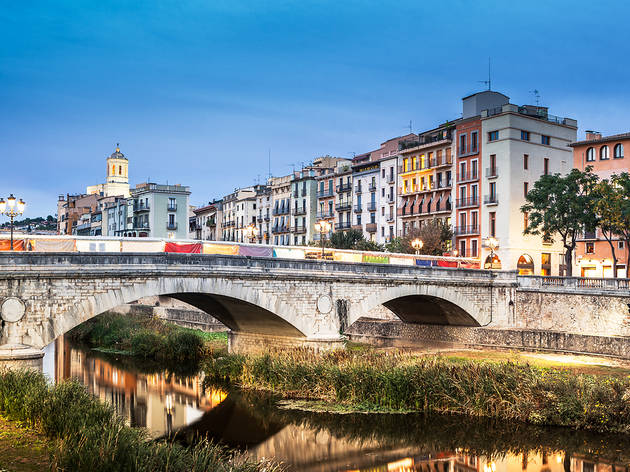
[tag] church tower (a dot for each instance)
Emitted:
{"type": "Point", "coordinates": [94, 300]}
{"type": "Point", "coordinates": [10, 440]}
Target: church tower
{"type": "Point", "coordinates": [117, 182]}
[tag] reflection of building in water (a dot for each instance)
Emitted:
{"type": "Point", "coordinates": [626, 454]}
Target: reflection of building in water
{"type": "Point", "coordinates": [160, 402]}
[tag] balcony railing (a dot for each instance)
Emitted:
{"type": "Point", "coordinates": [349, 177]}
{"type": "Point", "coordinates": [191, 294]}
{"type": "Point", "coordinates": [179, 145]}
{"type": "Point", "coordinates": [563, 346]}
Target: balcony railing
{"type": "Point", "coordinates": [267, 218]}
{"type": "Point", "coordinates": [325, 214]}
{"type": "Point", "coordinates": [371, 206]}
{"type": "Point", "coordinates": [466, 230]}
{"type": "Point", "coordinates": [357, 189]}
{"type": "Point", "coordinates": [139, 208]}
{"type": "Point", "coordinates": [492, 172]}
{"type": "Point", "coordinates": [281, 211]}
{"type": "Point", "coordinates": [280, 229]}
{"type": "Point", "coordinates": [444, 207]}
{"type": "Point", "coordinates": [172, 226]}
{"type": "Point", "coordinates": [358, 208]}
{"type": "Point", "coordinates": [491, 199]}
{"type": "Point", "coordinates": [466, 176]}
{"type": "Point", "coordinates": [299, 229]}
{"type": "Point", "coordinates": [343, 206]}
{"type": "Point", "coordinates": [372, 187]}
{"type": "Point", "coordinates": [299, 211]}
{"type": "Point", "coordinates": [444, 184]}
{"type": "Point", "coordinates": [342, 225]}
{"type": "Point", "coordinates": [370, 227]}
{"type": "Point", "coordinates": [259, 218]}
{"type": "Point", "coordinates": [325, 193]}
{"type": "Point", "coordinates": [391, 217]}
{"type": "Point", "coordinates": [344, 188]}
{"type": "Point", "coordinates": [466, 202]}
{"type": "Point", "coordinates": [391, 178]}
{"type": "Point", "coordinates": [391, 198]}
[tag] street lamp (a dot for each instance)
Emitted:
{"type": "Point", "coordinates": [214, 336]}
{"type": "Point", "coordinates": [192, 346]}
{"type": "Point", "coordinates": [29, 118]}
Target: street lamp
{"type": "Point", "coordinates": [323, 227]}
{"type": "Point", "coordinates": [11, 209]}
{"type": "Point", "coordinates": [251, 232]}
{"type": "Point", "coordinates": [492, 244]}
{"type": "Point", "coordinates": [417, 245]}
{"type": "Point", "coordinates": [455, 252]}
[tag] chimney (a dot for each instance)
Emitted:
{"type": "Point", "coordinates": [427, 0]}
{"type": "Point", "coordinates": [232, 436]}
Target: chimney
{"type": "Point", "coordinates": [593, 135]}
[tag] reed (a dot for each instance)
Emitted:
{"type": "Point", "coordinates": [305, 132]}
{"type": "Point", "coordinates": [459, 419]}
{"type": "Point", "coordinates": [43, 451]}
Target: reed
{"type": "Point", "coordinates": [87, 434]}
{"type": "Point", "coordinates": [397, 381]}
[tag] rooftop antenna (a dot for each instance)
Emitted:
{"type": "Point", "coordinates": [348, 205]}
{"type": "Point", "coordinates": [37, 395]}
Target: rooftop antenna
{"type": "Point", "coordinates": [410, 128]}
{"type": "Point", "coordinates": [269, 162]}
{"type": "Point", "coordinates": [489, 81]}
{"type": "Point", "coordinates": [354, 154]}
{"type": "Point", "coordinates": [536, 96]}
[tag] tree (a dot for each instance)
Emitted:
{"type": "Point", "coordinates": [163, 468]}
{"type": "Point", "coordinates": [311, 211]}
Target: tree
{"type": "Point", "coordinates": [434, 235]}
{"type": "Point", "coordinates": [345, 239]}
{"type": "Point", "coordinates": [397, 244]}
{"type": "Point", "coordinates": [564, 206]}
{"type": "Point", "coordinates": [609, 209]}
{"type": "Point", "coordinates": [367, 245]}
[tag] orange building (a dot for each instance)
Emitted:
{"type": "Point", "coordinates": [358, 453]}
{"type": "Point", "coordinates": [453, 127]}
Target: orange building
{"type": "Point", "coordinates": [606, 155]}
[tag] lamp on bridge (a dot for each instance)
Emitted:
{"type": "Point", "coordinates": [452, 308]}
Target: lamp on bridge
{"type": "Point", "coordinates": [11, 209]}
{"type": "Point", "coordinates": [251, 232]}
{"type": "Point", "coordinates": [492, 244]}
{"type": "Point", "coordinates": [323, 227]}
{"type": "Point", "coordinates": [417, 245]}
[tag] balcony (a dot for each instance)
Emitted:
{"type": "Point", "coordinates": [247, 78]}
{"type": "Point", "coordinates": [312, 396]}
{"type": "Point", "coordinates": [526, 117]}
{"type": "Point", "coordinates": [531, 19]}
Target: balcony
{"type": "Point", "coordinates": [371, 206]}
{"type": "Point", "coordinates": [322, 215]}
{"type": "Point", "coordinates": [391, 198]}
{"type": "Point", "coordinates": [140, 208]}
{"type": "Point", "coordinates": [466, 230]}
{"type": "Point", "coordinates": [299, 229]}
{"type": "Point", "coordinates": [281, 211]}
{"type": "Point", "coordinates": [267, 217]}
{"type": "Point", "coordinates": [492, 172]}
{"type": "Point", "coordinates": [443, 208]}
{"type": "Point", "coordinates": [443, 162]}
{"type": "Point", "coordinates": [391, 218]}
{"type": "Point", "coordinates": [357, 189]}
{"type": "Point", "coordinates": [358, 208]}
{"type": "Point", "coordinates": [447, 184]}
{"type": "Point", "coordinates": [280, 229]}
{"type": "Point", "coordinates": [370, 227]}
{"type": "Point", "coordinates": [171, 207]}
{"type": "Point", "coordinates": [228, 224]}
{"type": "Point", "coordinates": [298, 211]}
{"type": "Point", "coordinates": [342, 226]}
{"type": "Point", "coordinates": [466, 202]}
{"type": "Point", "coordinates": [325, 193]}
{"type": "Point", "coordinates": [357, 227]}
{"type": "Point", "coordinates": [491, 199]}
{"type": "Point", "coordinates": [172, 226]}
{"type": "Point", "coordinates": [372, 187]}
{"type": "Point", "coordinates": [211, 223]}
{"type": "Point", "coordinates": [341, 188]}
{"type": "Point", "coordinates": [467, 177]}
{"type": "Point", "coordinates": [259, 218]}
{"type": "Point", "coordinates": [343, 206]}
{"type": "Point", "coordinates": [391, 178]}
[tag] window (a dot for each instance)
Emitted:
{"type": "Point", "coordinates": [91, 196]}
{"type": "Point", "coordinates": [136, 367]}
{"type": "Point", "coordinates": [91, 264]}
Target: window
{"type": "Point", "coordinates": [525, 189]}
{"type": "Point", "coordinates": [493, 135]}
{"type": "Point", "coordinates": [618, 151]}
{"type": "Point", "coordinates": [473, 141]}
{"type": "Point", "coordinates": [545, 140]}
{"type": "Point", "coordinates": [546, 166]}
{"type": "Point", "coordinates": [525, 135]}
{"type": "Point", "coordinates": [383, 172]}
{"type": "Point", "coordinates": [462, 248]}
{"type": "Point", "coordinates": [590, 248]}
{"type": "Point", "coordinates": [473, 248]}
{"type": "Point", "coordinates": [493, 224]}
{"type": "Point", "coordinates": [590, 155]}
{"type": "Point", "coordinates": [603, 153]}
{"type": "Point", "coordinates": [620, 244]}
{"type": "Point", "coordinates": [462, 144]}
{"type": "Point", "coordinates": [525, 220]}
{"type": "Point", "coordinates": [545, 260]}
{"type": "Point", "coordinates": [525, 161]}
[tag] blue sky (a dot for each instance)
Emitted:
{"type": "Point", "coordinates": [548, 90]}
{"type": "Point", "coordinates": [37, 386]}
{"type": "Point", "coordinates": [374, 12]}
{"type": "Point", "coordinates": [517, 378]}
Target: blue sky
{"type": "Point", "coordinates": [197, 92]}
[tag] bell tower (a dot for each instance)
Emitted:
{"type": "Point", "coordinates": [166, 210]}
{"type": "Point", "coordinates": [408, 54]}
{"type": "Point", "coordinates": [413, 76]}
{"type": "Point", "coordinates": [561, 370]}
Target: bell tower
{"type": "Point", "coordinates": [117, 182]}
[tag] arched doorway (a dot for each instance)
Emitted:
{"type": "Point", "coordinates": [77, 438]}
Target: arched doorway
{"type": "Point", "coordinates": [492, 262]}
{"type": "Point", "coordinates": [525, 265]}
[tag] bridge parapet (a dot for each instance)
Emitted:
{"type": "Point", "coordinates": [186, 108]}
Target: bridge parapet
{"type": "Point", "coordinates": [573, 284]}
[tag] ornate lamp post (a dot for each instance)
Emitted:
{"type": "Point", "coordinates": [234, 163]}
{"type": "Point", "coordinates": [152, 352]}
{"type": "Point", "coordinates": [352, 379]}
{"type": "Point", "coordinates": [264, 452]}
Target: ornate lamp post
{"type": "Point", "coordinates": [417, 245]}
{"type": "Point", "coordinates": [11, 209]}
{"type": "Point", "coordinates": [323, 227]}
{"type": "Point", "coordinates": [492, 244]}
{"type": "Point", "coordinates": [251, 232]}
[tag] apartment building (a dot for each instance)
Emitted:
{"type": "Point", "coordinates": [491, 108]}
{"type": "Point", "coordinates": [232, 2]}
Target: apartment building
{"type": "Point", "coordinates": [303, 206]}
{"type": "Point", "coordinates": [239, 212]}
{"type": "Point", "coordinates": [70, 208]}
{"type": "Point", "coordinates": [326, 193]}
{"type": "Point", "coordinates": [281, 209]}
{"type": "Point", "coordinates": [208, 221]}
{"type": "Point", "coordinates": [343, 198]}
{"type": "Point", "coordinates": [606, 155]}
{"type": "Point", "coordinates": [159, 211]}
{"type": "Point", "coordinates": [263, 217]}
{"type": "Point", "coordinates": [426, 168]}
{"type": "Point", "coordinates": [519, 145]}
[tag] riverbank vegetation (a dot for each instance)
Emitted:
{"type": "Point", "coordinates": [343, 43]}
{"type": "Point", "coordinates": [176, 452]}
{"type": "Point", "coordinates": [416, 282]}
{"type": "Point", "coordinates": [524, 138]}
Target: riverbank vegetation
{"type": "Point", "coordinates": [147, 337]}
{"type": "Point", "coordinates": [87, 435]}
{"type": "Point", "coordinates": [403, 382]}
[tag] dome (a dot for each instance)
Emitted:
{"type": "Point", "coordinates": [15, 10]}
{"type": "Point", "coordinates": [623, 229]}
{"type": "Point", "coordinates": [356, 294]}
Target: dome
{"type": "Point", "coordinates": [117, 154]}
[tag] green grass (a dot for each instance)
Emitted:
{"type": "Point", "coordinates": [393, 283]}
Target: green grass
{"type": "Point", "coordinates": [89, 436]}
{"type": "Point", "coordinates": [366, 380]}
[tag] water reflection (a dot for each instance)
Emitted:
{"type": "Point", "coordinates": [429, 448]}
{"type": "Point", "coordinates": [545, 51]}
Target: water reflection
{"type": "Point", "coordinates": [165, 402]}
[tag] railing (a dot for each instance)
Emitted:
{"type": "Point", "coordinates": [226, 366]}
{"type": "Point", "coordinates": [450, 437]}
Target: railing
{"type": "Point", "coordinates": [447, 184]}
{"type": "Point", "coordinates": [343, 206]}
{"type": "Point", "coordinates": [342, 225]}
{"type": "Point", "coordinates": [466, 202]}
{"type": "Point", "coordinates": [299, 229]}
{"type": "Point", "coordinates": [492, 172]}
{"type": "Point", "coordinates": [299, 211]}
{"type": "Point", "coordinates": [171, 226]}
{"type": "Point", "coordinates": [358, 208]}
{"type": "Point", "coordinates": [391, 218]}
{"type": "Point", "coordinates": [372, 187]}
{"type": "Point", "coordinates": [537, 281]}
{"type": "Point", "coordinates": [280, 229]}
{"type": "Point", "coordinates": [324, 215]}
{"type": "Point", "coordinates": [371, 206]}
{"type": "Point", "coordinates": [267, 218]}
{"type": "Point", "coordinates": [491, 199]}
{"type": "Point", "coordinates": [281, 211]}
{"type": "Point", "coordinates": [466, 176]}
{"type": "Point", "coordinates": [259, 218]}
{"type": "Point", "coordinates": [370, 227]}
{"type": "Point", "coordinates": [325, 193]}
{"type": "Point", "coordinates": [391, 179]}
{"type": "Point", "coordinates": [344, 188]}
{"type": "Point", "coordinates": [172, 207]}
{"type": "Point", "coordinates": [465, 230]}
{"type": "Point", "coordinates": [391, 198]}
{"type": "Point", "coordinates": [141, 207]}
{"type": "Point", "coordinates": [443, 208]}
{"type": "Point", "coordinates": [357, 189]}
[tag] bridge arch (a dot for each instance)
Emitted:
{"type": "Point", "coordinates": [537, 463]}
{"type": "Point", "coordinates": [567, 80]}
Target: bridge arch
{"type": "Point", "coordinates": [240, 307]}
{"type": "Point", "coordinates": [423, 303]}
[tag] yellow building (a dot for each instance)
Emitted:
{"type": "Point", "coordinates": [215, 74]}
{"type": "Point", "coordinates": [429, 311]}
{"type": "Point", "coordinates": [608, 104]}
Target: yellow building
{"type": "Point", "coordinates": [117, 178]}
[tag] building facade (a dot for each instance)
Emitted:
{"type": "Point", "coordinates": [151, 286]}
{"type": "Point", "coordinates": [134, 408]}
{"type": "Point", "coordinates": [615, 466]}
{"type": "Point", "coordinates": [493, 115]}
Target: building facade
{"type": "Point", "coordinates": [607, 156]}
{"type": "Point", "coordinates": [117, 182]}
{"type": "Point", "coordinates": [159, 211]}
{"type": "Point", "coordinates": [208, 221]}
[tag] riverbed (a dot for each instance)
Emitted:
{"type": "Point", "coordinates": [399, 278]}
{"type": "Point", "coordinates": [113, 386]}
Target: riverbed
{"type": "Point", "coordinates": [168, 404]}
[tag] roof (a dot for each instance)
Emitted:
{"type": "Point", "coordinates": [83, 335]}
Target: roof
{"type": "Point", "coordinates": [117, 154]}
{"type": "Point", "coordinates": [604, 139]}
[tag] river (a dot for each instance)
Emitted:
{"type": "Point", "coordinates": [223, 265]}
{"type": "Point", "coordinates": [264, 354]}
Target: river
{"type": "Point", "coordinates": [166, 403]}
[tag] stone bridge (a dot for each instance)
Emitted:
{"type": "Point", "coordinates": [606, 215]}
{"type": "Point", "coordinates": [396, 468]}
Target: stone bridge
{"type": "Point", "coordinates": [277, 302]}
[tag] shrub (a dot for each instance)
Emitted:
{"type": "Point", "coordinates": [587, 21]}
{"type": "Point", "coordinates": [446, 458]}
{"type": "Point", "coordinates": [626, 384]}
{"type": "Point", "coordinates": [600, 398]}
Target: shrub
{"type": "Point", "coordinates": [182, 346]}
{"type": "Point", "coordinates": [146, 343]}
